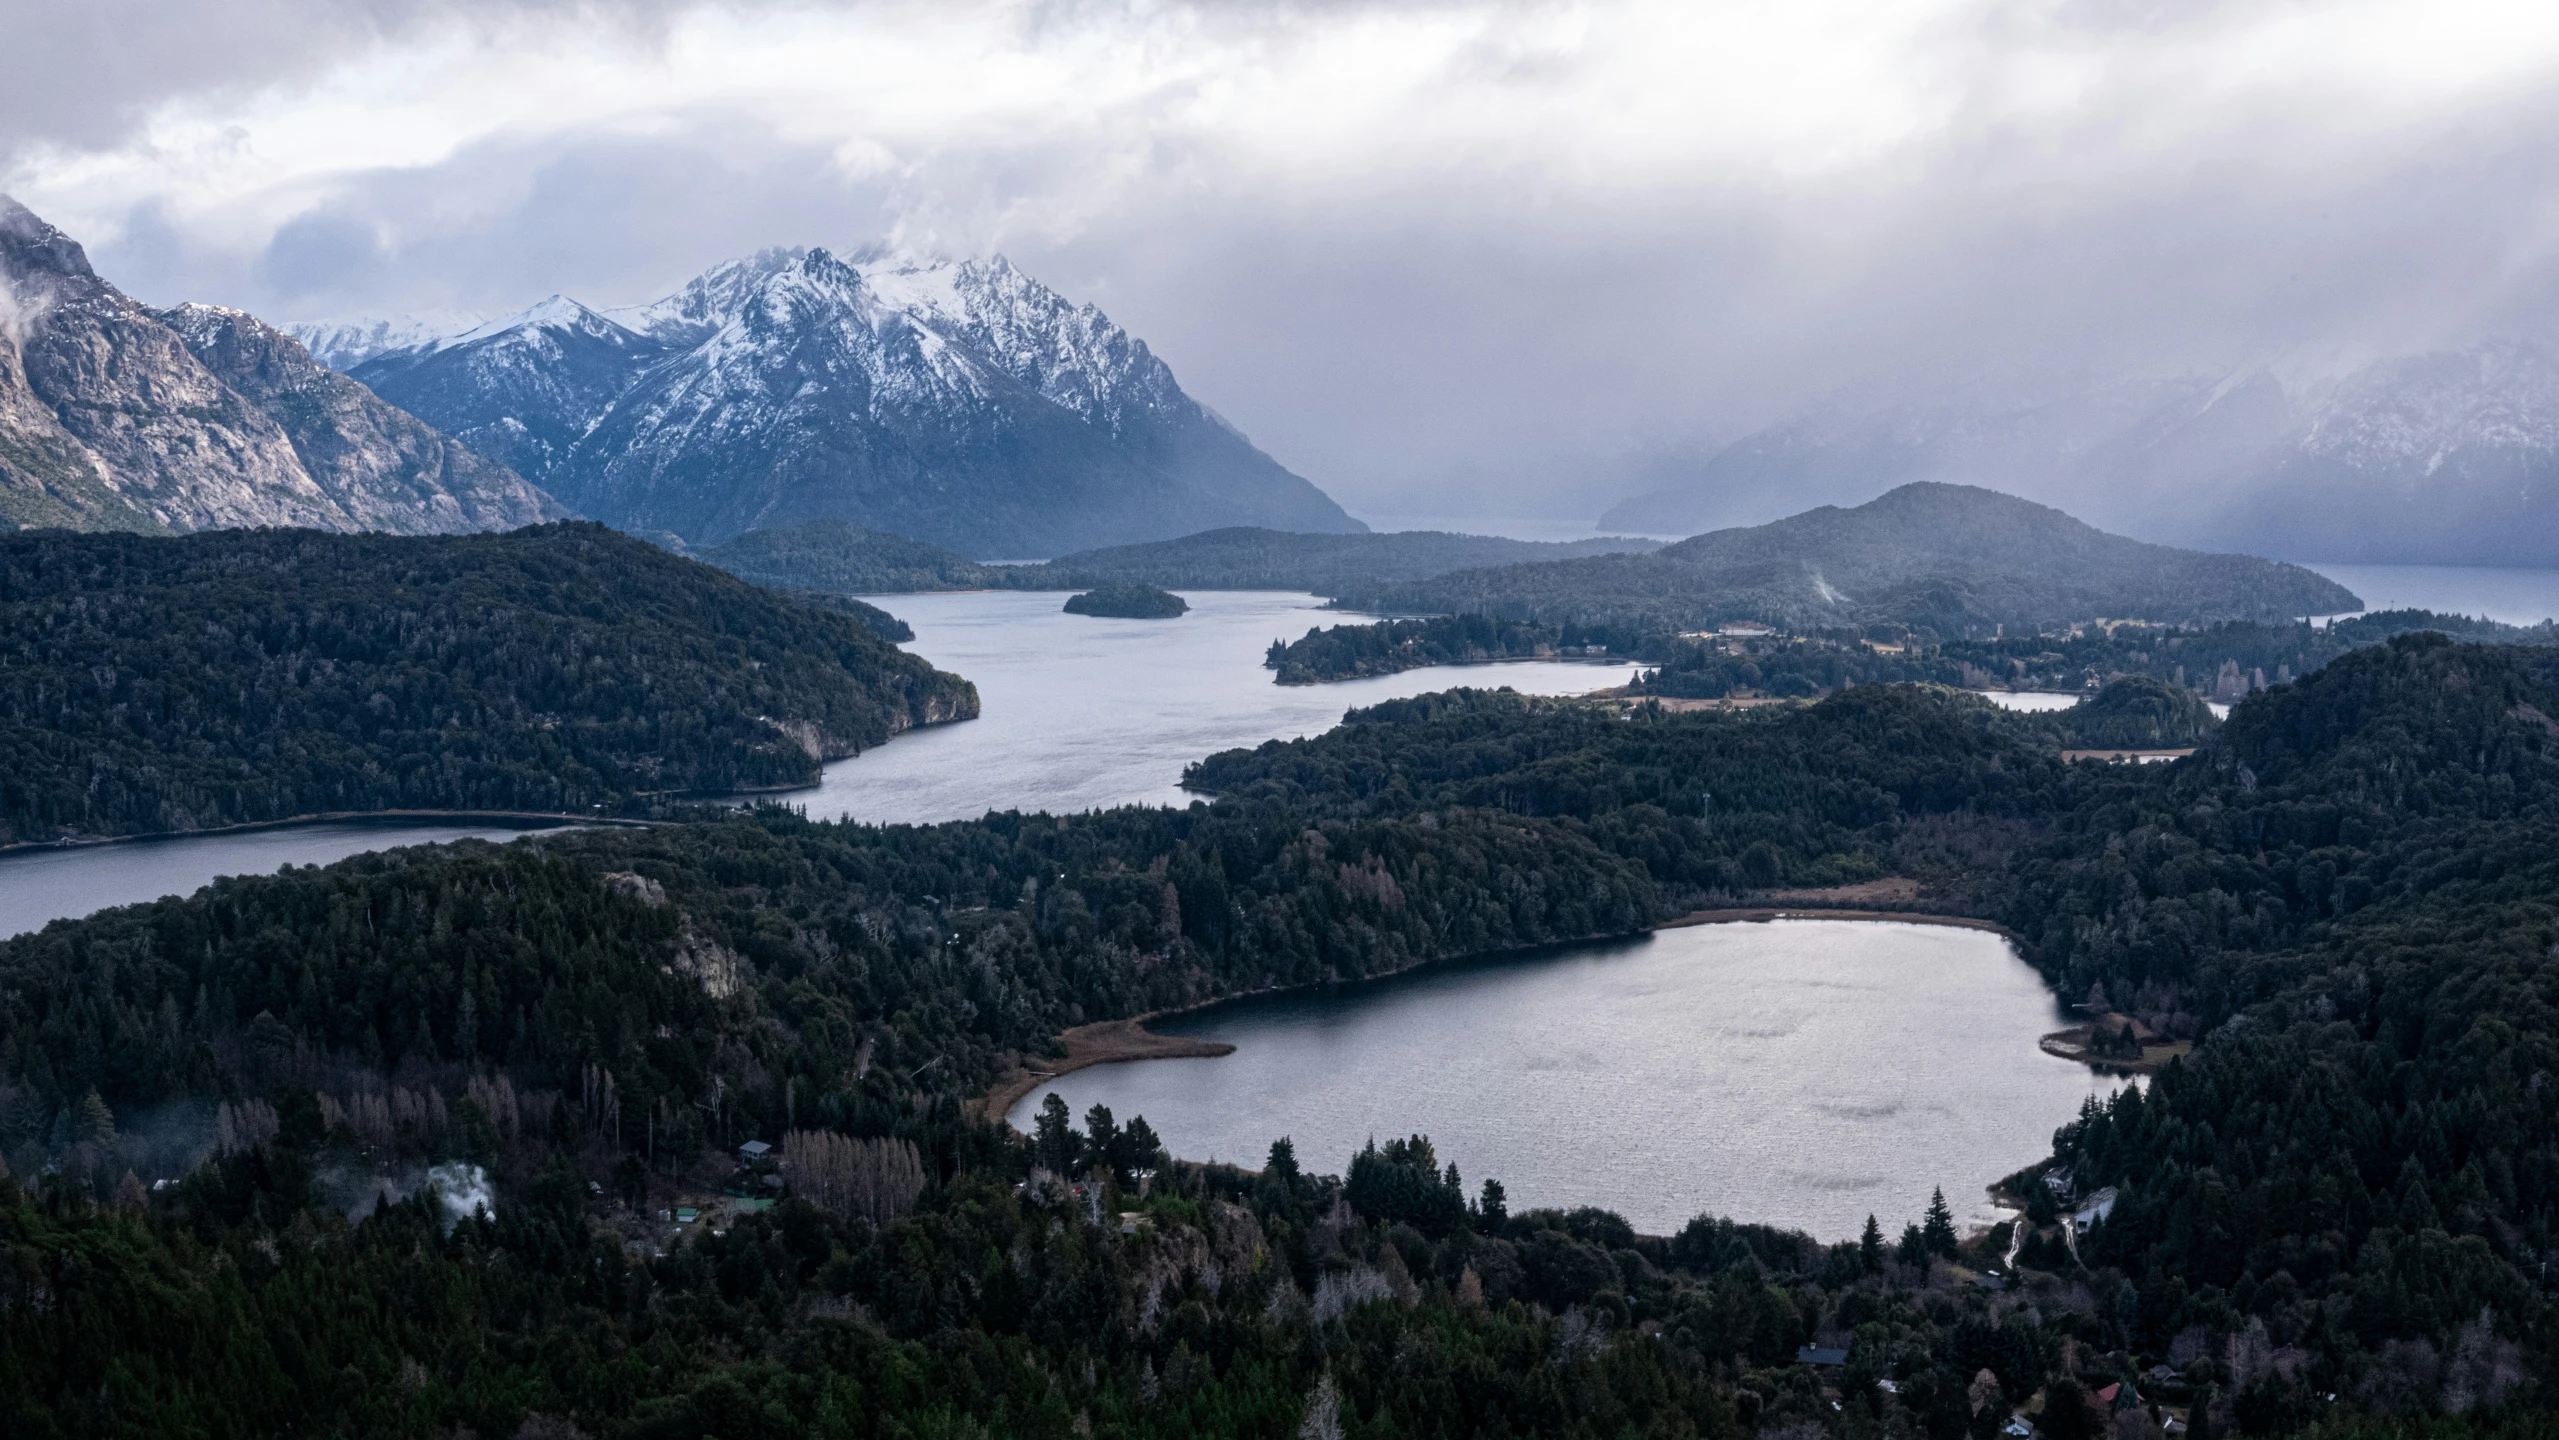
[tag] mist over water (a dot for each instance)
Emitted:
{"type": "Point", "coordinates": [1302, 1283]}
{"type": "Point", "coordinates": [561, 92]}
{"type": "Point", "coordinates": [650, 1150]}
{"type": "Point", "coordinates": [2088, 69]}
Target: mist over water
{"type": "Point", "coordinates": [1801, 1073]}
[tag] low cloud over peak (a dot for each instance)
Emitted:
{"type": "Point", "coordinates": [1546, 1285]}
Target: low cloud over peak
{"type": "Point", "coordinates": [1419, 250]}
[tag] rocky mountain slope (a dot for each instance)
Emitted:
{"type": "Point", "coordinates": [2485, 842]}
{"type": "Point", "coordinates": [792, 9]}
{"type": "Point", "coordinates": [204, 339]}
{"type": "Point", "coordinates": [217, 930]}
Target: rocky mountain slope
{"type": "Point", "coordinates": [2450, 457]}
{"type": "Point", "coordinates": [959, 402]}
{"type": "Point", "coordinates": [1956, 558]}
{"type": "Point", "coordinates": [115, 416]}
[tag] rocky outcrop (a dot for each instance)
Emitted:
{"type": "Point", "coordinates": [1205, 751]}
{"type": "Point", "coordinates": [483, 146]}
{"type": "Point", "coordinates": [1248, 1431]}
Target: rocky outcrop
{"type": "Point", "coordinates": [383, 468]}
{"type": "Point", "coordinates": [114, 416]}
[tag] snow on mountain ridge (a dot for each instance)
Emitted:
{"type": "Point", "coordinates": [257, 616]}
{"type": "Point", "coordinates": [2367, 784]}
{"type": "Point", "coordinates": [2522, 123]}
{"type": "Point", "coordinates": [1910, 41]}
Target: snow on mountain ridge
{"type": "Point", "coordinates": [2498, 395]}
{"type": "Point", "coordinates": [344, 342]}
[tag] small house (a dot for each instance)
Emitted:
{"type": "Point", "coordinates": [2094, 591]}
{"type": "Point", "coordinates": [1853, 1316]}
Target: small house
{"type": "Point", "coordinates": [753, 1152]}
{"type": "Point", "coordinates": [686, 1215]}
{"type": "Point", "coordinates": [1824, 1356]}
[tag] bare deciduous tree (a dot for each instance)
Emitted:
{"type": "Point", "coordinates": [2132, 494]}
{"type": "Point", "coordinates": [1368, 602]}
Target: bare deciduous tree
{"type": "Point", "coordinates": [877, 1180]}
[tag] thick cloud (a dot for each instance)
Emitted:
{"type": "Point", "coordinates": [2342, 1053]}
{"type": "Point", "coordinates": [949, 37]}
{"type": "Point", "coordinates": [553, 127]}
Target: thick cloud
{"type": "Point", "coordinates": [1423, 252]}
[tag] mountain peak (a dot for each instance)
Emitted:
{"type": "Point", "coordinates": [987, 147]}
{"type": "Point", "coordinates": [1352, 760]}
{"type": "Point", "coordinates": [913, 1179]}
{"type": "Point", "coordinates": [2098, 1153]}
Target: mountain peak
{"type": "Point", "coordinates": [29, 246]}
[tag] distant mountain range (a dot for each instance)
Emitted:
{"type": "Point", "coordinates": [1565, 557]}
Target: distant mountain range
{"type": "Point", "coordinates": [1956, 558]}
{"type": "Point", "coordinates": [116, 416]}
{"type": "Point", "coordinates": [2442, 458]}
{"type": "Point", "coordinates": [833, 557]}
{"type": "Point", "coordinates": [959, 402]}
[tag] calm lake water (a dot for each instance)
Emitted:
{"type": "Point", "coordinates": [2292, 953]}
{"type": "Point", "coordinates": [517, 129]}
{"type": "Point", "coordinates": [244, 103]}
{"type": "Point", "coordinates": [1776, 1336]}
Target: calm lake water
{"type": "Point", "coordinates": [41, 886]}
{"type": "Point", "coordinates": [1083, 713]}
{"type": "Point", "coordinates": [1803, 1073]}
{"type": "Point", "coordinates": [1079, 713]}
{"type": "Point", "coordinates": [2517, 597]}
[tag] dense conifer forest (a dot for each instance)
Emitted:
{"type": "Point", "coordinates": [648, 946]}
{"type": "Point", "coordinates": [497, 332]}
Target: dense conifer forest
{"type": "Point", "coordinates": [2223, 661]}
{"type": "Point", "coordinates": [2331, 1217]}
{"type": "Point", "coordinates": [158, 684]}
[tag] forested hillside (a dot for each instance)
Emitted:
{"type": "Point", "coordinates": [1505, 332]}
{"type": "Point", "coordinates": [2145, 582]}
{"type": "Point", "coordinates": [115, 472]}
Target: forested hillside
{"type": "Point", "coordinates": [842, 557]}
{"type": "Point", "coordinates": [177, 684]}
{"type": "Point", "coordinates": [1249, 558]}
{"type": "Point", "coordinates": [2331, 1217]}
{"type": "Point", "coordinates": [839, 557]}
{"type": "Point", "coordinates": [1955, 558]}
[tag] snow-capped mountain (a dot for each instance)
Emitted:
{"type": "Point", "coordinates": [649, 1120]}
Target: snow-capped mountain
{"type": "Point", "coordinates": [349, 341]}
{"type": "Point", "coordinates": [115, 416]}
{"type": "Point", "coordinates": [521, 389]}
{"type": "Point", "coordinates": [2450, 457]}
{"type": "Point", "coordinates": [956, 401]}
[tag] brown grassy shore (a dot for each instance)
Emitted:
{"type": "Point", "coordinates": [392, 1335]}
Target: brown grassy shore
{"type": "Point", "coordinates": [1105, 1042]}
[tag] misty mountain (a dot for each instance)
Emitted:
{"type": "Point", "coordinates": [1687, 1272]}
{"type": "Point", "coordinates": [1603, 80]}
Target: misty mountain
{"type": "Point", "coordinates": [116, 416]}
{"type": "Point", "coordinates": [2450, 458]}
{"type": "Point", "coordinates": [959, 402]}
{"type": "Point", "coordinates": [521, 390]}
{"type": "Point", "coordinates": [1953, 557]}
{"type": "Point", "coordinates": [833, 556]}
{"type": "Point", "coordinates": [1245, 558]}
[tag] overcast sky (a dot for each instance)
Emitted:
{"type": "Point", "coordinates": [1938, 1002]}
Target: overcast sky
{"type": "Point", "coordinates": [1421, 252]}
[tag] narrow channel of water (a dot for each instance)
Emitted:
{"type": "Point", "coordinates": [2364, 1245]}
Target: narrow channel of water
{"type": "Point", "coordinates": [1798, 1072]}
{"type": "Point", "coordinates": [38, 887]}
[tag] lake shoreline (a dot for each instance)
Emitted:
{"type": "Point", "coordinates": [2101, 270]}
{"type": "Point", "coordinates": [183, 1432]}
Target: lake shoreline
{"type": "Point", "coordinates": [530, 819]}
{"type": "Point", "coordinates": [1104, 1042]}
{"type": "Point", "coordinates": [1761, 914]}
{"type": "Point", "coordinates": [1110, 1042]}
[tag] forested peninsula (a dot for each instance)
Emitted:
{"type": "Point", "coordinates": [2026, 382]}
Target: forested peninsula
{"type": "Point", "coordinates": [166, 684]}
{"type": "Point", "coordinates": [2221, 662]}
{"type": "Point", "coordinates": [2331, 1217]}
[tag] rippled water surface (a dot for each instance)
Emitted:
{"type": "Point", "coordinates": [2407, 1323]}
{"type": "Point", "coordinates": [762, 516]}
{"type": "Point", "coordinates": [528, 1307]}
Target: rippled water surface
{"type": "Point", "coordinates": [1802, 1073]}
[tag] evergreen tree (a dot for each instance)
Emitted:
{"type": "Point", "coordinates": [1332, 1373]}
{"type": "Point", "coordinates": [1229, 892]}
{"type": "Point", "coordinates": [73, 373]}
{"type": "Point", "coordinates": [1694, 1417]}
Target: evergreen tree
{"type": "Point", "coordinates": [1102, 1138]}
{"type": "Point", "coordinates": [1913, 1249]}
{"type": "Point", "coordinates": [1053, 1136]}
{"type": "Point", "coordinates": [1493, 1211]}
{"type": "Point", "coordinates": [1870, 1247]}
{"type": "Point", "coordinates": [1136, 1148]}
{"type": "Point", "coordinates": [1937, 1230]}
{"type": "Point", "coordinates": [1282, 1165]}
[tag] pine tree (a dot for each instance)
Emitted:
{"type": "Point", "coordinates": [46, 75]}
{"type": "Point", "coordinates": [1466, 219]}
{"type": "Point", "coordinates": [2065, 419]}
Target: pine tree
{"type": "Point", "coordinates": [1870, 1247]}
{"type": "Point", "coordinates": [1938, 1228]}
{"type": "Point", "coordinates": [1913, 1249]}
{"type": "Point", "coordinates": [1054, 1136]}
{"type": "Point", "coordinates": [1493, 1211]}
{"type": "Point", "coordinates": [1282, 1165]}
{"type": "Point", "coordinates": [1102, 1144]}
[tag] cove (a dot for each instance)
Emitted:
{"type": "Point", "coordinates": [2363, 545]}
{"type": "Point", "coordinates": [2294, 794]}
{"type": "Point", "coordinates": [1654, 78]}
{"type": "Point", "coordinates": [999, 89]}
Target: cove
{"type": "Point", "coordinates": [1801, 1073]}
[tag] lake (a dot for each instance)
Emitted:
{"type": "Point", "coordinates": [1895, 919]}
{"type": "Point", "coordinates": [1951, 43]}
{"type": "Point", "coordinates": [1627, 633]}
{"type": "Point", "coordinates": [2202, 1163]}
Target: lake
{"type": "Point", "coordinates": [2046, 701]}
{"type": "Point", "coordinates": [41, 886]}
{"type": "Point", "coordinates": [1083, 713]}
{"type": "Point", "coordinates": [1080, 714]}
{"type": "Point", "coordinates": [2517, 597]}
{"type": "Point", "coordinates": [1796, 1072]}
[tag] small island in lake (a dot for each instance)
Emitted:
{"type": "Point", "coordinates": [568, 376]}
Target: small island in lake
{"type": "Point", "coordinates": [1128, 602]}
